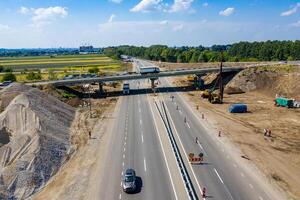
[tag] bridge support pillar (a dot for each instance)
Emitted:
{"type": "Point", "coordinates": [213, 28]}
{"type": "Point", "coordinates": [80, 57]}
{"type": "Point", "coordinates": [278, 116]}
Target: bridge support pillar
{"type": "Point", "coordinates": [101, 91]}
{"type": "Point", "coordinates": [153, 83]}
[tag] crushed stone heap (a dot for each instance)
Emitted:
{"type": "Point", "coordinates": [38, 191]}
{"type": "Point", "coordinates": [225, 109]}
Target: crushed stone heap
{"type": "Point", "coordinates": [34, 139]}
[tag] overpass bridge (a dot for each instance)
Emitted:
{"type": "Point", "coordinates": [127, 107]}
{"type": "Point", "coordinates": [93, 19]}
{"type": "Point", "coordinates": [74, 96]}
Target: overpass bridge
{"type": "Point", "coordinates": [136, 76]}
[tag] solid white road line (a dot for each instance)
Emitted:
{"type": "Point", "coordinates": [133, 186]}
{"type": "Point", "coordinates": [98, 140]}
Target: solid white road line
{"type": "Point", "coordinates": [218, 175]}
{"type": "Point", "coordinates": [145, 166]}
{"type": "Point", "coordinates": [120, 196]}
{"type": "Point", "coordinates": [164, 153]}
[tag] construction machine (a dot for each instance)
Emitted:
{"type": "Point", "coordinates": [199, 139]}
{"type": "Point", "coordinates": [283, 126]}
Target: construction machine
{"type": "Point", "coordinates": [213, 96]}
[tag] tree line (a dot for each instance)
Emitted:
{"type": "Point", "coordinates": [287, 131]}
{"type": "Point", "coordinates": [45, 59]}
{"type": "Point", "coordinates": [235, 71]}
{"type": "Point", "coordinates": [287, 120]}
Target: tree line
{"type": "Point", "coordinates": [242, 51]}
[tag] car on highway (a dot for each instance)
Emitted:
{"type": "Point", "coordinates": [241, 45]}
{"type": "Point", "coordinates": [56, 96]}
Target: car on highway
{"type": "Point", "coordinates": [5, 83]}
{"type": "Point", "coordinates": [129, 181]}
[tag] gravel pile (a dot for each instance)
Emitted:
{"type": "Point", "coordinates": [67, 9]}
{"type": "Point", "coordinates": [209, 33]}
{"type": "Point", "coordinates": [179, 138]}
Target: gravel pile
{"type": "Point", "coordinates": [34, 139]}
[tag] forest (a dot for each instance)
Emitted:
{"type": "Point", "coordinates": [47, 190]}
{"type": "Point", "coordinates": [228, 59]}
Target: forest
{"type": "Point", "coordinates": [237, 52]}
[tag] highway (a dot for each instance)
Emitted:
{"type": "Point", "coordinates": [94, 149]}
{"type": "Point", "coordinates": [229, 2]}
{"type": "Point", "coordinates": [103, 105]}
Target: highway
{"type": "Point", "coordinates": [135, 143]}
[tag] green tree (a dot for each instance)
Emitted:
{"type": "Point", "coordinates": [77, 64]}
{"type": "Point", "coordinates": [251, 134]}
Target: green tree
{"type": "Point", "coordinates": [7, 69]}
{"type": "Point", "coordinates": [34, 76]}
{"type": "Point", "coordinates": [52, 75]}
{"type": "Point", "coordinates": [203, 57]}
{"type": "Point", "coordinates": [94, 70]}
{"type": "Point", "coordinates": [9, 76]}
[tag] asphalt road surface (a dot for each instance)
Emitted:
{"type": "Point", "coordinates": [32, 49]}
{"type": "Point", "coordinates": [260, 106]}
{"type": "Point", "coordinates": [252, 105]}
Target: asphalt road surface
{"type": "Point", "coordinates": [135, 145]}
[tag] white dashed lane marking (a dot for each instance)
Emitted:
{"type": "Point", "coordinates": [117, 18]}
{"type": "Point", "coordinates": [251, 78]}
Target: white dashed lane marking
{"type": "Point", "coordinates": [250, 185]}
{"type": "Point", "coordinates": [145, 166]}
{"type": "Point", "coordinates": [218, 176]}
{"type": "Point", "coordinates": [188, 125]}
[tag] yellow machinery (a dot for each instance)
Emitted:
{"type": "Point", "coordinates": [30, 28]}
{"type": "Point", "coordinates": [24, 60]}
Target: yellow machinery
{"type": "Point", "coordinates": [211, 95]}
{"type": "Point", "coordinates": [205, 94]}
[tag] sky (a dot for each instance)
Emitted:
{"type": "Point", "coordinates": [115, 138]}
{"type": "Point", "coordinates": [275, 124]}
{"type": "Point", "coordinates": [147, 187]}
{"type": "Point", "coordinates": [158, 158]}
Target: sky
{"type": "Point", "coordinates": [101, 23]}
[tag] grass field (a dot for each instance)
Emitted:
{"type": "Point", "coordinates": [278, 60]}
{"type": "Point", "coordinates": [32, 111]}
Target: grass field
{"type": "Point", "coordinates": [42, 62]}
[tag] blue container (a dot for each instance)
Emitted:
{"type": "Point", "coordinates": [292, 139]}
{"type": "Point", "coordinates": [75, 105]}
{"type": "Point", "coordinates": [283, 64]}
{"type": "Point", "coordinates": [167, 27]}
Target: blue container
{"type": "Point", "coordinates": [238, 108]}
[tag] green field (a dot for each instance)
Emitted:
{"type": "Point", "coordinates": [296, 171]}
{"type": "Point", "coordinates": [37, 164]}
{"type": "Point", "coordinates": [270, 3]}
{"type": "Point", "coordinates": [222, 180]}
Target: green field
{"type": "Point", "coordinates": [60, 65]}
{"type": "Point", "coordinates": [42, 62]}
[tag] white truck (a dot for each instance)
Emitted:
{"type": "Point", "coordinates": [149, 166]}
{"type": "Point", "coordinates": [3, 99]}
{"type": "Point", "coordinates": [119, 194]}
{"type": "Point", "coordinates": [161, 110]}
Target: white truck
{"type": "Point", "coordinates": [126, 88]}
{"type": "Point", "coordinates": [149, 70]}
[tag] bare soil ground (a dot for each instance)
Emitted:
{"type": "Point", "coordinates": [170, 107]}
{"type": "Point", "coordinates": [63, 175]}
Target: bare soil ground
{"type": "Point", "coordinates": [276, 156]}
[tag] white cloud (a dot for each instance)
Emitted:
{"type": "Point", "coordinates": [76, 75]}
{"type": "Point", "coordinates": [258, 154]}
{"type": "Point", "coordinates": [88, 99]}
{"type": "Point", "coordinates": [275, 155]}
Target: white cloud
{"type": "Point", "coordinates": [178, 27]}
{"type": "Point", "coordinates": [111, 18]}
{"type": "Point", "coordinates": [291, 11]}
{"type": "Point", "coordinates": [116, 1]}
{"type": "Point", "coordinates": [205, 4]}
{"type": "Point", "coordinates": [4, 27]}
{"type": "Point", "coordinates": [227, 12]}
{"type": "Point", "coordinates": [181, 5]}
{"type": "Point", "coordinates": [24, 10]}
{"type": "Point", "coordinates": [296, 24]}
{"type": "Point", "coordinates": [44, 16]}
{"type": "Point", "coordinates": [147, 6]}
{"type": "Point", "coordinates": [165, 22]}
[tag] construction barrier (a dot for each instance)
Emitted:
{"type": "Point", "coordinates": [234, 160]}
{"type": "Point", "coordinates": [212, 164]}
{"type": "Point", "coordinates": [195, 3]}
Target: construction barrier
{"type": "Point", "coordinates": [195, 160]}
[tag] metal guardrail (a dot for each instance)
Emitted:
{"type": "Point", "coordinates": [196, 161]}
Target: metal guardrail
{"type": "Point", "coordinates": [187, 180]}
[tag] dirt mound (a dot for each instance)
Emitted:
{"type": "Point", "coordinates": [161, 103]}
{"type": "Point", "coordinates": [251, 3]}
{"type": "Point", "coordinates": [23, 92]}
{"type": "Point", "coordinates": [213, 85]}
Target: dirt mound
{"type": "Point", "coordinates": [35, 139]}
{"type": "Point", "coordinates": [270, 80]}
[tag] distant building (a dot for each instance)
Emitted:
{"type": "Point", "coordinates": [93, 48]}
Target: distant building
{"type": "Point", "coordinates": [86, 49]}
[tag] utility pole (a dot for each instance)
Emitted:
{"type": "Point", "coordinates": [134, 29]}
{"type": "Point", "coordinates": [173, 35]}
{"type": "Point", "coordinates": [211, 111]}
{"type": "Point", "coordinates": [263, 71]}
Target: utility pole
{"type": "Point", "coordinates": [221, 80]}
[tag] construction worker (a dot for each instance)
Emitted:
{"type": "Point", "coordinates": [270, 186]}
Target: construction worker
{"type": "Point", "coordinates": [196, 140]}
{"type": "Point", "coordinates": [269, 133]}
{"type": "Point", "coordinates": [90, 135]}
{"type": "Point", "coordinates": [204, 192]}
{"type": "Point", "coordinates": [265, 132]}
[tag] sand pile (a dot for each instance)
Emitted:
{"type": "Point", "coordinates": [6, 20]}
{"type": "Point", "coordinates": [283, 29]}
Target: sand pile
{"type": "Point", "coordinates": [34, 139]}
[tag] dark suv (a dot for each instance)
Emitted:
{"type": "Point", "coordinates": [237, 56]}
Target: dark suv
{"type": "Point", "coordinates": [129, 181]}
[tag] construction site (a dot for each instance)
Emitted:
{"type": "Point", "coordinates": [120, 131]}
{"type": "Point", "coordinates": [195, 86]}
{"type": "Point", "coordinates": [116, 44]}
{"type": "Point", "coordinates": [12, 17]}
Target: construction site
{"type": "Point", "coordinates": [50, 150]}
{"type": "Point", "coordinates": [256, 109]}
